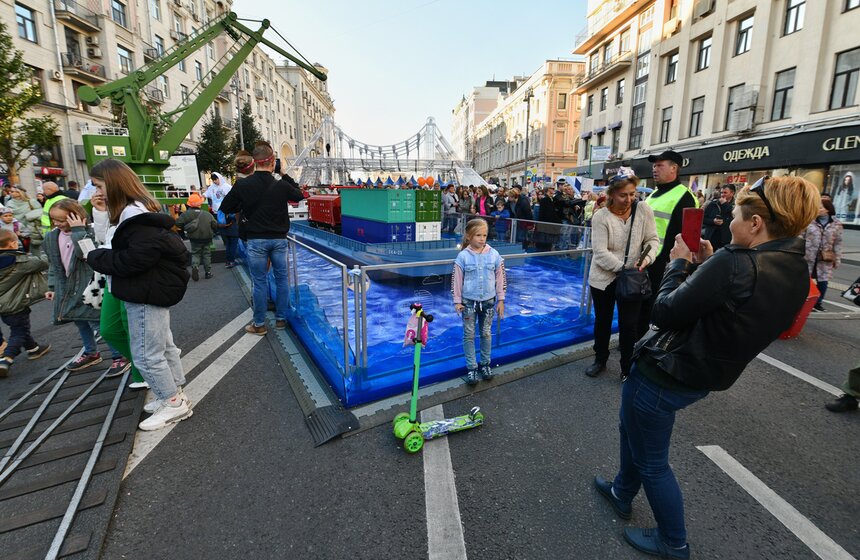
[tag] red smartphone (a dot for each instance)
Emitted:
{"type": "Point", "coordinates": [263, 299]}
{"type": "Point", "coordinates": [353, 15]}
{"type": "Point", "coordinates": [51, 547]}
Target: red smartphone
{"type": "Point", "coordinates": [691, 227]}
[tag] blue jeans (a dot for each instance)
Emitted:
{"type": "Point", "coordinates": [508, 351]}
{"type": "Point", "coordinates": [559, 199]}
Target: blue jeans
{"type": "Point", "coordinates": [231, 247]}
{"type": "Point", "coordinates": [152, 349]}
{"type": "Point", "coordinates": [647, 417]}
{"type": "Point", "coordinates": [88, 336]}
{"type": "Point", "coordinates": [483, 311]}
{"type": "Point", "coordinates": [19, 333]}
{"type": "Point", "coordinates": [260, 252]}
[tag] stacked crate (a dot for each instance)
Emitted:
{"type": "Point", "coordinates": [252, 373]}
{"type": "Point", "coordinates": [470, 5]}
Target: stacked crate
{"type": "Point", "coordinates": [428, 215]}
{"type": "Point", "coordinates": [378, 215]}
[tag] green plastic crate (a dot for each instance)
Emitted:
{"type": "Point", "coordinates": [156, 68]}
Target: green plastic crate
{"type": "Point", "coordinates": [428, 206]}
{"type": "Point", "coordinates": [382, 205]}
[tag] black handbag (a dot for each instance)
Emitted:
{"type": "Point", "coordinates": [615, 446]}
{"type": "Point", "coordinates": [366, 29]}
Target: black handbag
{"type": "Point", "coordinates": [631, 284]}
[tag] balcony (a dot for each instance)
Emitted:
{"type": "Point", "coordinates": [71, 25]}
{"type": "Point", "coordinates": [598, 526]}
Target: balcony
{"type": "Point", "coordinates": [150, 53]}
{"type": "Point", "coordinates": [224, 95]}
{"type": "Point", "coordinates": [612, 14]}
{"type": "Point", "coordinates": [78, 16]}
{"type": "Point", "coordinates": [83, 68]}
{"type": "Point", "coordinates": [258, 93]}
{"type": "Point", "coordinates": [154, 94]}
{"type": "Point", "coordinates": [614, 65]}
{"type": "Point", "coordinates": [227, 124]}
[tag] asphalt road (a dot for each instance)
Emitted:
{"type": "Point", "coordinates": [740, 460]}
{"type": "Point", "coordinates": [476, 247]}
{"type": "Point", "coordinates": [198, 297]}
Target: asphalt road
{"type": "Point", "coordinates": [241, 478]}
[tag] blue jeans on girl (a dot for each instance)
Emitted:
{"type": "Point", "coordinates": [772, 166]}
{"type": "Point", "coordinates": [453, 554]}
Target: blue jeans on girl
{"type": "Point", "coordinates": [483, 311]}
{"type": "Point", "coordinates": [152, 349]}
{"type": "Point", "coordinates": [88, 336]}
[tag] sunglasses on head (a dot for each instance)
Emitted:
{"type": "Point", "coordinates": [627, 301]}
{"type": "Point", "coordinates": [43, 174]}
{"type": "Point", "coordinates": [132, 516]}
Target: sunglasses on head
{"type": "Point", "coordinates": [758, 188]}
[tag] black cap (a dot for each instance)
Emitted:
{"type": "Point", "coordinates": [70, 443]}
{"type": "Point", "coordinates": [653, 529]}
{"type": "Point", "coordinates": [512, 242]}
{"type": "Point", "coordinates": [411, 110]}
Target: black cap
{"type": "Point", "coordinates": [668, 155]}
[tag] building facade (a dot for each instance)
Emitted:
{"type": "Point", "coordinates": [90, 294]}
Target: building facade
{"type": "Point", "coordinates": [542, 106]}
{"type": "Point", "coordinates": [742, 88]}
{"type": "Point", "coordinates": [471, 110]}
{"type": "Point", "coordinates": [70, 43]}
{"type": "Point", "coordinates": [310, 105]}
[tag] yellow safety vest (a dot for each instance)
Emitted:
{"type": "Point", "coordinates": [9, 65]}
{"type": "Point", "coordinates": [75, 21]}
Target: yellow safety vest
{"type": "Point", "coordinates": [46, 212]}
{"type": "Point", "coordinates": [664, 205]}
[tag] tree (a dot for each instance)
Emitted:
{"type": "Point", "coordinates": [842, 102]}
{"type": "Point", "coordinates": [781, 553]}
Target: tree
{"type": "Point", "coordinates": [20, 135]}
{"type": "Point", "coordinates": [215, 149]}
{"type": "Point", "coordinates": [251, 134]}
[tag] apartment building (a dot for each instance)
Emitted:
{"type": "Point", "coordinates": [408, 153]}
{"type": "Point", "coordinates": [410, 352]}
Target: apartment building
{"type": "Point", "coordinates": [539, 105]}
{"type": "Point", "coordinates": [311, 103]}
{"type": "Point", "coordinates": [70, 43]}
{"type": "Point", "coordinates": [471, 110]}
{"type": "Point", "coordinates": [742, 88]}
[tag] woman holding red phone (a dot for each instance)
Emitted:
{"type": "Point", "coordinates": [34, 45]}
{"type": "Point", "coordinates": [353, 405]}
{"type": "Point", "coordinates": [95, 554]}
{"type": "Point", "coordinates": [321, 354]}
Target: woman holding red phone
{"type": "Point", "coordinates": [743, 296]}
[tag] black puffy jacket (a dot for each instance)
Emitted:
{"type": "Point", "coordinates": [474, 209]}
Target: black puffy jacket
{"type": "Point", "coordinates": [146, 261]}
{"type": "Point", "coordinates": [714, 319]}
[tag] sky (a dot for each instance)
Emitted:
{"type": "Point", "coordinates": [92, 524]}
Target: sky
{"type": "Point", "coordinates": [393, 63]}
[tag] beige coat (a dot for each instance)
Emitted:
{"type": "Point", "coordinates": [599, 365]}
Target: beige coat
{"type": "Point", "coordinates": [609, 237]}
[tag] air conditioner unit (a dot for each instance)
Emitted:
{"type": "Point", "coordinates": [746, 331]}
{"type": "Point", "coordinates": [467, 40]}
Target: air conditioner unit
{"type": "Point", "coordinates": [671, 27]}
{"type": "Point", "coordinates": [94, 52]}
{"type": "Point", "coordinates": [92, 41]}
{"type": "Point", "coordinates": [702, 8]}
{"type": "Point", "coordinates": [742, 120]}
{"type": "Point", "coordinates": [56, 75]}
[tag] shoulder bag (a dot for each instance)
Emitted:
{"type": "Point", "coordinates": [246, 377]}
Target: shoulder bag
{"type": "Point", "coordinates": [852, 294]}
{"type": "Point", "coordinates": [631, 284]}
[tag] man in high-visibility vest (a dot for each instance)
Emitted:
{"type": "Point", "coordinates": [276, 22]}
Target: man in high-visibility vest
{"type": "Point", "coordinates": [667, 201]}
{"type": "Point", "coordinates": [53, 194]}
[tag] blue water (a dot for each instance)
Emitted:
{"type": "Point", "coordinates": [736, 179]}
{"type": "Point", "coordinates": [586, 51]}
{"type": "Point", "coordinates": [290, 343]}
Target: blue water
{"type": "Point", "coordinates": [542, 313]}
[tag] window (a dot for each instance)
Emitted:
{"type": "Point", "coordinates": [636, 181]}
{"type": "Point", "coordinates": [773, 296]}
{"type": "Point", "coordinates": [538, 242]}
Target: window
{"type": "Point", "coordinates": [744, 40]}
{"type": "Point", "coordinates": [210, 50]}
{"type": "Point", "coordinates": [586, 147]}
{"type": "Point", "coordinates": [184, 92]}
{"type": "Point", "coordinates": [26, 23]}
{"type": "Point", "coordinates": [178, 24]}
{"type": "Point", "coordinates": [117, 11]}
{"type": "Point", "coordinates": [198, 70]}
{"type": "Point", "coordinates": [604, 98]}
{"type": "Point", "coordinates": [794, 12]}
{"type": "Point", "coordinates": [616, 140]}
{"type": "Point", "coordinates": [37, 79]}
{"type": "Point", "coordinates": [80, 105]}
{"type": "Point", "coordinates": [672, 68]}
{"type": "Point", "coordinates": [562, 101]}
{"type": "Point", "coordinates": [696, 111]}
{"type": "Point", "coordinates": [845, 80]}
{"type": "Point", "coordinates": [646, 16]}
{"type": "Point", "coordinates": [643, 66]}
{"type": "Point", "coordinates": [851, 4]}
{"type": "Point", "coordinates": [600, 139]}
{"type": "Point", "coordinates": [155, 8]}
{"type": "Point", "coordinates": [619, 92]}
{"type": "Point", "coordinates": [159, 45]}
{"type": "Point", "coordinates": [126, 59]}
{"type": "Point", "coordinates": [704, 58]}
{"type": "Point", "coordinates": [589, 107]}
{"type": "Point", "coordinates": [635, 141]}
{"type": "Point", "coordinates": [608, 53]}
{"type": "Point", "coordinates": [674, 10]}
{"type": "Point", "coordinates": [665, 123]}
{"type": "Point", "coordinates": [734, 97]}
{"type": "Point", "coordinates": [782, 95]}
{"type": "Point", "coordinates": [644, 40]}
{"type": "Point", "coordinates": [594, 63]}
{"type": "Point", "coordinates": [163, 86]}
{"type": "Point", "coordinates": [624, 40]}
{"type": "Point", "coordinates": [639, 93]}
{"type": "Point", "coordinates": [182, 65]}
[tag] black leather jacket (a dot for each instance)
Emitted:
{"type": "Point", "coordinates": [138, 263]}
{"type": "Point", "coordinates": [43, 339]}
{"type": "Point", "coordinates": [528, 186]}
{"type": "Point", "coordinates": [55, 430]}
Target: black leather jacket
{"type": "Point", "coordinates": [712, 320]}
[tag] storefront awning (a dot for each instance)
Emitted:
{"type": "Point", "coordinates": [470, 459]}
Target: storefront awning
{"type": "Point", "coordinates": [615, 125]}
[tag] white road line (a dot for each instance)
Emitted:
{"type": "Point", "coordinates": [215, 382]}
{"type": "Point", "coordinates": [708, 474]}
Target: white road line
{"type": "Point", "coordinates": [822, 545]}
{"type": "Point", "coordinates": [444, 529]}
{"type": "Point", "coordinates": [212, 343]}
{"type": "Point", "coordinates": [145, 442]}
{"type": "Point", "coordinates": [801, 375]}
{"type": "Point", "coordinates": [853, 308]}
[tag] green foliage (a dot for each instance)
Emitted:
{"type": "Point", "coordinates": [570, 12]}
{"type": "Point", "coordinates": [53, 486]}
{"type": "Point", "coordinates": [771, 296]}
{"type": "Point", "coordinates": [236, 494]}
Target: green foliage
{"type": "Point", "coordinates": [215, 150]}
{"type": "Point", "coordinates": [161, 123]}
{"type": "Point", "coordinates": [249, 129]}
{"type": "Point", "coordinates": [19, 135]}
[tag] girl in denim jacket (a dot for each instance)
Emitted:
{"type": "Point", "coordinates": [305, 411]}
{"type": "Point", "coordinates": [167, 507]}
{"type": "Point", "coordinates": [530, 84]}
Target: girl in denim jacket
{"type": "Point", "coordinates": [479, 285]}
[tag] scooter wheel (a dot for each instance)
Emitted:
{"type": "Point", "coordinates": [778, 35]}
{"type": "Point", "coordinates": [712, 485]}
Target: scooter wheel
{"type": "Point", "coordinates": [413, 442]}
{"type": "Point", "coordinates": [401, 416]}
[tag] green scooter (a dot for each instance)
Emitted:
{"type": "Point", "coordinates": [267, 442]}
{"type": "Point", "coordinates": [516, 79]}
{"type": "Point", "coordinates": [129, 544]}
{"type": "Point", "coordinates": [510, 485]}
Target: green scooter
{"type": "Point", "coordinates": [406, 425]}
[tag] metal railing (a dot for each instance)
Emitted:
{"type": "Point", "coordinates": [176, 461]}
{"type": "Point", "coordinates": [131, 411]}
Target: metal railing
{"type": "Point", "coordinates": [81, 12]}
{"type": "Point", "coordinates": [76, 61]}
{"type": "Point", "coordinates": [605, 66]}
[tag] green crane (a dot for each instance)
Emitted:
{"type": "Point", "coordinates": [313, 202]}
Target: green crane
{"type": "Point", "coordinates": [149, 159]}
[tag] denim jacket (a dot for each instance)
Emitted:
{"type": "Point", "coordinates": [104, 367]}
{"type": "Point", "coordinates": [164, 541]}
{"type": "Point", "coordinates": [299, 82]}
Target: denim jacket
{"type": "Point", "coordinates": [483, 276]}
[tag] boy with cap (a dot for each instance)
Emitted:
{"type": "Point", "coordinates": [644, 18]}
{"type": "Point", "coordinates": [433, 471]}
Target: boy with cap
{"type": "Point", "coordinates": [22, 283]}
{"type": "Point", "coordinates": [199, 226]}
{"type": "Point", "coordinates": [668, 201]}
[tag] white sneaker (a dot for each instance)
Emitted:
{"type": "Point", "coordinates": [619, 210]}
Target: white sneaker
{"type": "Point", "coordinates": [138, 385]}
{"type": "Point", "coordinates": [153, 406]}
{"type": "Point", "coordinates": [167, 415]}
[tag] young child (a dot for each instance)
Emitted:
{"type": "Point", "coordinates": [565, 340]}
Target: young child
{"type": "Point", "coordinates": [479, 285]}
{"type": "Point", "coordinates": [69, 276]}
{"type": "Point", "coordinates": [501, 214]}
{"type": "Point", "coordinates": [21, 285]}
{"type": "Point", "coordinates": [199, 226]}
{"type": "Point", "coordinates": [9, 223]}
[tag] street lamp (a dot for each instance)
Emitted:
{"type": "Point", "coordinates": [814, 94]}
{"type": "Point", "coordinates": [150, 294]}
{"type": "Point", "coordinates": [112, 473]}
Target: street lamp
{"type": "Point", "coordinates": [234, 85]}
{"type": "Point", "coordinates": [527, 99]}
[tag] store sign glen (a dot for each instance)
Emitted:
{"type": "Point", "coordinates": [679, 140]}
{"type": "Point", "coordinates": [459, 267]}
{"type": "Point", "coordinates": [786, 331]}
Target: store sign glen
{"type": "Point", "coordinates": [839, 144]}
{"type": "Point", "coordinates": [758, 152]}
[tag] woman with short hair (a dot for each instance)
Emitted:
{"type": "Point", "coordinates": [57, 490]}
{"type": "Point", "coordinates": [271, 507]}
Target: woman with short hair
{"type": "Point", "coordinates": [743, 296]}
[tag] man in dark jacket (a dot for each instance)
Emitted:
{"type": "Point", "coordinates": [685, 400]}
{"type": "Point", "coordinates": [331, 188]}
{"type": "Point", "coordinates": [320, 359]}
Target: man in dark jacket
{"type": "Point", "coordinates": [521, 210]}
{"type": "Point", "coordinates": [718, 217]}
{"type": "Point", "coordinates": [264, 204]}
{"type": "Point", "coordinates": [548, 213]}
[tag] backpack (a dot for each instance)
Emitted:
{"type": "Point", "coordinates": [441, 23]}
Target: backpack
{"type": "Point", "coordinates": [192, 226]}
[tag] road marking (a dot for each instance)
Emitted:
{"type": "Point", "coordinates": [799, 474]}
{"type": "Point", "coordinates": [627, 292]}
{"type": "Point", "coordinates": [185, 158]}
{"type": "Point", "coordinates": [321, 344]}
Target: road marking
{"type": "Point", "coordinates": [145, 442]}
{"type": "Point", "coordinates": [813, 537]}
{"type": "Point", "coordinates": [202, 351]}
{"type": "Point", "coordinates": [801, 375]}
{"type": "Point", "coordinates": [853, 308]}
{"type": "Point", "coordinates": [444, 529]}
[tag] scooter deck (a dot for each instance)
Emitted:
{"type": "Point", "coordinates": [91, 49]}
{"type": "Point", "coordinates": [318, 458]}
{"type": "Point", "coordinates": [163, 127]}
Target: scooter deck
{"type": "Point", "coordinates": [439, 428]}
